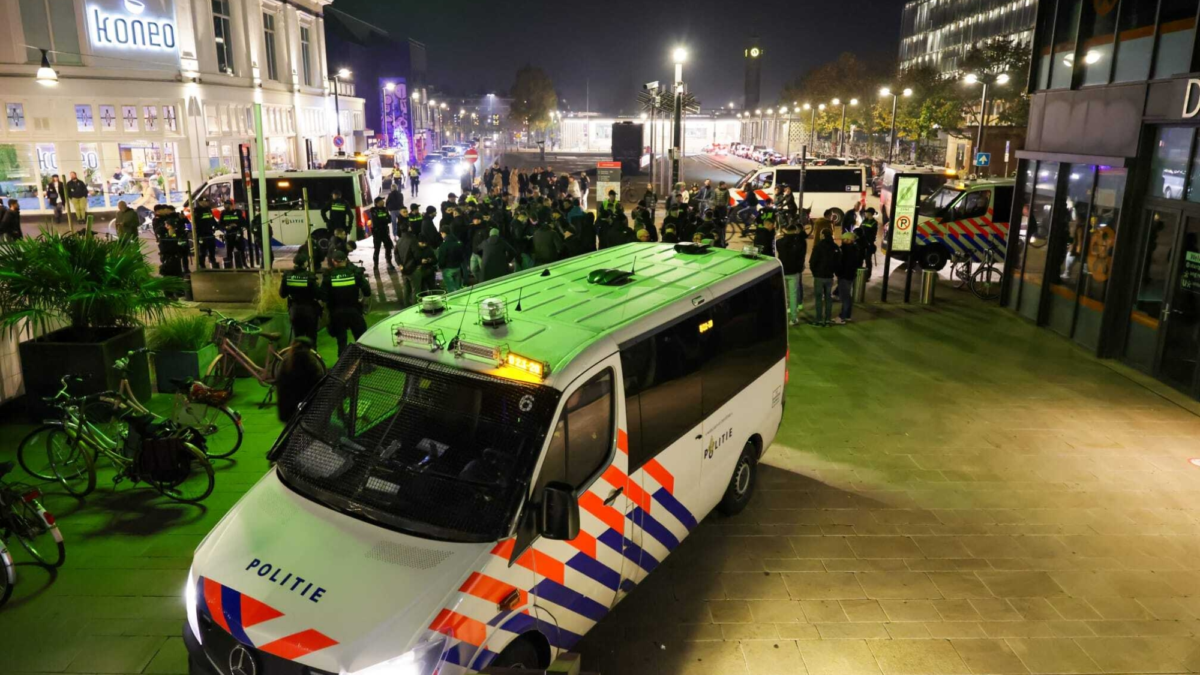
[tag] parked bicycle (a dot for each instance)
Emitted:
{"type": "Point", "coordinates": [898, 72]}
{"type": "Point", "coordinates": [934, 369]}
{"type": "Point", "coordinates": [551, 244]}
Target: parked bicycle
{"type": "Point", "coordinates": [141, 446]}
{"type": "Point", "coordinates": [960, 270]}
{"type": "Point", "coordinates": [231, 334]}
{"type": "Point", "coordinates": [23, 516]}
{"type": "Point", "coordinates": [986, 279]}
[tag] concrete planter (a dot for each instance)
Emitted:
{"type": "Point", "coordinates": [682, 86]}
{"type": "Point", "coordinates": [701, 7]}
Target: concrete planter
{"type": "Point", "coordinates": [173, 365]}
{"type": "Point", "coordinates": [45, 360]}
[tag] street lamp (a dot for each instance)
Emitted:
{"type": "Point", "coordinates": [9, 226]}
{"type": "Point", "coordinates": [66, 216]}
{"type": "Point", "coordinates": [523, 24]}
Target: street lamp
{"type": "Point", "coordinates": [987, 80]}
{"type": "Point", "coordinates": [842, 138]}
{"type": "Point", "coordinates": [45, 74]}
{"type": "Point", "coordinates": [679, 56]}
{"type": "Point", "coordinates": [337, 111]}
{"type": "Point", "coordinates": [892, 136]}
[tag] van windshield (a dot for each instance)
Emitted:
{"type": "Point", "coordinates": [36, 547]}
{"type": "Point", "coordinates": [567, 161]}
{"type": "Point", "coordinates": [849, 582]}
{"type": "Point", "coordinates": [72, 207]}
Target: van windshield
{"type": "Point", "coordinates": [417, 446]}
{"type": "Point", "coordinates": [935, 204]}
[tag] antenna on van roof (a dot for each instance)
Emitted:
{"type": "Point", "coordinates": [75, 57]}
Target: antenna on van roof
{"type": "Point", "coordinates": [520, 291]}
{"type": "Point", "coordinates": [466, 308]}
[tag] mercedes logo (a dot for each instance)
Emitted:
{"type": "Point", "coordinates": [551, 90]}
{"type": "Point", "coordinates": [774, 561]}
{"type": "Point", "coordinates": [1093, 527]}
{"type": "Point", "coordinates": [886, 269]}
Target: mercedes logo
{"type": "Point", "coordinates": [241, 661]}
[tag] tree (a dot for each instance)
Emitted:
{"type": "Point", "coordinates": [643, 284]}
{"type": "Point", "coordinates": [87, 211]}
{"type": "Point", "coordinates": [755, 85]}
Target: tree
{"type": "Point", "coordinates": [846, 78]}
{"type": "Point", "coordinates": [1011, 103]}
{"type": "Point", "coordinates": [533, 97]}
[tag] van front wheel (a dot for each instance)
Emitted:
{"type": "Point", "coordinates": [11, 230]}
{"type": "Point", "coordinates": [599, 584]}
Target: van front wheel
{"type": "Point", "coordinates": [520, 653]}
{"type": "Point", "coordinates": [741, 485]}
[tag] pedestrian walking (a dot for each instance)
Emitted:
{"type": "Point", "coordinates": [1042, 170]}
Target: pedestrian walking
{"type": "Point", "coordinates": [791, 250]}
{"type": "Point", "coordinates": [824, 265]}
{"type": "Point", "coordinates": [126, 222]}
{"type": "Point", "coordinates": [848, 265]}
{"type": "Point", "coordinates": [414, 180]}
{"type": "Point", "coordinates": [395, 202]}
{"type": "Point", "coordinates": [299, 287]}
{"type": "Point", "coordinates": [381, 221]}
{"type": "Point", "coordinates": [344, 288]}
{"type": "Point", "coordinates": [56, 192]}
{"type": "Point", "coordinates": [77, 193]}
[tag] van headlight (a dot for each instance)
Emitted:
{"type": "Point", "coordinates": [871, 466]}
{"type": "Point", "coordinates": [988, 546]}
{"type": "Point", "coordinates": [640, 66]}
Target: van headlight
{"type": "Point", "coordinates": [421, 660]}
{"type": "Point", "coordinates": [189, 600]}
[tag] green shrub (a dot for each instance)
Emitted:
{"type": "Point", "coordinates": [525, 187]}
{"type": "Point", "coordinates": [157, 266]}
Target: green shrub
{"type": "Point", "coordinates": [185, 333]}
{"type": "Point", "coordinates": [81, 282]}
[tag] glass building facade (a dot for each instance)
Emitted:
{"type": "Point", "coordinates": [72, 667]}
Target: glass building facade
{"type": "Point", "coordinates": [1107, 252]}
{"type": "Point", "coordinates": [939, 32]}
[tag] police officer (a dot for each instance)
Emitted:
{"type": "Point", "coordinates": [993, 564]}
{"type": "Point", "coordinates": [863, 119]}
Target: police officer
{"type": "Point", "coordinates": [172, 250]}
{"type": "Point", "coordinates": [166, 215]}
{"type": "Point", "coordinates": [337, 212]}
{"type": "Point", "coordinates": [381, 221]}
{"type": "Point", "coordinates": [206, 232]}
{"type": "Point", "coordinates": [343, 288]}
{"type": "Point", "coordinates": [234, 225]}
{"type": "Point", "coordinates": [414, 179]}
{"type": "Point", "coordinates": [299, 287]}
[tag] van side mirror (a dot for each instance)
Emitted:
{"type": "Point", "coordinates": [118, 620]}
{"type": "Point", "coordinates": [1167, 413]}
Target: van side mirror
{"type": "Point", "coordinates": [559, 513]}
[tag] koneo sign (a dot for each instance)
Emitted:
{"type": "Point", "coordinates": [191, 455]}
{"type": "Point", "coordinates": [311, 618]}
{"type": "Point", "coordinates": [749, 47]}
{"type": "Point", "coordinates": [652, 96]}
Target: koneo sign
{"type": "Point", "coordinates": [129, 27]}
{"type": "Point", "coordinates": [1191, 99]}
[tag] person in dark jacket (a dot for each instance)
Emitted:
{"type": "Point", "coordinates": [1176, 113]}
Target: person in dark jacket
{"type": "Point", "coordinates": [206, 232]}
{"type": "Point", "coordinates": [299, 287]}
{"type": "Point", "coordinates": [450, 257]}
{"type": "Point", "coordinates": [406, 248]}
{"type": "Point", "coordinates": [343, 288]}
{"type": "Point", "coordinates": [479, 233]}
{"type": "Point", "coordinates": [764, 233]}
{"type": "Point", "coordinates": [865, 236]}
{"type": "Point", "coordinates": [56, 195]}
{"type": "Point", "coordinates": [791, 249]}
{"type": "Point", "coordinates": [338, 213]}
{"type": "Point", "coordinates": [422, 268]}
{"type": "Point", "coordinates": [496, 254]}
{"type": "Point", "coordinates": [381, 221]}
{"type": "Point", "coordinates": [234, 229]}
{"type": "Point", "coordinates": [77, 193]}
{"type": "Point", "coordinates": [824, 265]}
{"type": "Point", "coordinates": [395, 202]}
{"type": "Point", "coordinates": [299, 372]}
{"type": "Point", "coordinates": [547, 245]}
{"type": "Point", "coordinates": [10, 222]}
{"type": "Point", "coordinates": [574, 243]}
{"type": "Point", "coordinates": [848, 265]}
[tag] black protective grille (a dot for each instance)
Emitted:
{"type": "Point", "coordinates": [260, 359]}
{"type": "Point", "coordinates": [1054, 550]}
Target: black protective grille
{"type": "Point", "coordinates": [419, 446]}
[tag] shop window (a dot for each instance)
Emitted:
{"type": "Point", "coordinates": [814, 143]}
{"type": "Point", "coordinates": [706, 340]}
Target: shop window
{"type": "Point", "coordinates": [582, 440]}
{"type": "Point", "coordinates": [129, 114]}
{"type": "Point", "coordinates": [15, 113]}
{"type": "Point", "coordinates": [1176, 32]}
{"type": "Point", "coordinates": [1040, 211]}
{"type": "Point", "coordinates": [1096, 37]}
{"type": "Point", "coordinates": [1168, 165]}
{"type": "Point", "coordinates": [1154, 270]}
{"type": "Point", "coordinates": [150, 115]}
{"type": "Point", "coordinates": [1066, 254]}
{"type": "Point", "coordinates": [1098, 251]}
{"type": "Point", "coordinates": [141, 172]}
{"type": "Point", "coordinates": [1066, 28]}
{"type": "Point", "coordinates": [83, 118]}
{"type": "Point", "coordinates": [108, 118]}
{"type": "Point", "coordinates": [1135, 42]}
{"type": "Point", "coordinates": [17, 176]}
{"type": "Point", "coordinates": [50, 25]}
{"type": "Point", "coordinates": [1022, 230]}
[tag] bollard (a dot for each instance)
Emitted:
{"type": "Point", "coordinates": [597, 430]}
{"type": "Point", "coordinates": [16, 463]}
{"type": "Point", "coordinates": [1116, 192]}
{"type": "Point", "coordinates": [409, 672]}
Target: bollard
{"type": "Point", "coordinates": [928, 285]}
{"type": "Point", "coordinates": [860, 286]}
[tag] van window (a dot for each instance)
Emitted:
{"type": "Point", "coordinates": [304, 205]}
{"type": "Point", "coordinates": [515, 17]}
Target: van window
{"type": "Point", "coordinates": [662, 382]}
{"type": "Point", "coordinates": [288, 190]}
{"type": "Point", "coordinates": [748, 336]}
{"type": "Point", "coordinates": [1002, 205]}
{"type": "Point", "coordinates": [789, 177]}
{"type": "Point", "coordinates": [833, 180]}
{"type": "Point", "coordinates": [763, 181]}
{"type": "Point", "coordinates": [583, 437]}
{"type": "Point", "coordinates": [972, 205]}
{"type": "Point", "coordinates": [218, 192]}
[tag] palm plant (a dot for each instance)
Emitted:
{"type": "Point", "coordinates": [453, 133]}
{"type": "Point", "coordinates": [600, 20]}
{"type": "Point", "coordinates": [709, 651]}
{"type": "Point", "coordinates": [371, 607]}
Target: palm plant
{"type": "Point", "coordinates": [82, 283]}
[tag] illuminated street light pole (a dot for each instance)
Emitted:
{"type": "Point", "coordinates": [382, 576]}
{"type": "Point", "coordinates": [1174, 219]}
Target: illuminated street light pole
{"type": "Point", "coordinates": [987, 80]}
{"type": "Point", "coordinates": [842, 138]}
{"type": "Point", "coordinates": [892, 136]}
{"type": "Point", "coordinates": [788, 122]}
{"type": "Point", "coordinates": [680, 55]}
{"type": "Point", "coordinates": [337, 111]}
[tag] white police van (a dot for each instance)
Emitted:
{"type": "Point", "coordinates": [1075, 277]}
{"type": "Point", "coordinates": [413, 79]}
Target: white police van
{"type": "Point", "coordinates": [838, 188]}
{"type": "Point", "coordinates": [486, 474]}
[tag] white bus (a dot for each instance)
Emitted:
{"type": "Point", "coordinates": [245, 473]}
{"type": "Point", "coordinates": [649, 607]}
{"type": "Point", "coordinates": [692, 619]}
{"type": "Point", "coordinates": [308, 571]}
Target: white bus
{"type": "Point", "coordinates": [485, 475]}
{"type": "Point", "coordinates": [825, 187]}
{"type": "Point", "coordinates": [284, 199]}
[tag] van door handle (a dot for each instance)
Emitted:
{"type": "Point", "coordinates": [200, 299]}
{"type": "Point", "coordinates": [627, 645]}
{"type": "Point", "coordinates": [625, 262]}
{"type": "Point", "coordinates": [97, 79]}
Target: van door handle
{"type": "Point", "coordinates": [612, 496]}
{"type": "Point", "coordinates": [696, 302]}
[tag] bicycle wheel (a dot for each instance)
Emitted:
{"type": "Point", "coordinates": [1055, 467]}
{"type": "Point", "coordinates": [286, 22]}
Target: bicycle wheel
{"type": "Point", "coordinates": [194, 485]}
{"type": "Point", "coordinates": [36, 529]}
{"type": "Point", "coordinates": [32, 453]}
{"type": "Point", "coordinates": [8, 574]}
{"type": "Point", "coordinates": [71, 464]}
{"type": "Point", "coordinates": [221, 428]}
{"type": "Point", "coordinates": [985, 283]}
{"type": "Point", "coordinates": [105, 416]}
{"type": "Point", "coordinates": [961, 273]}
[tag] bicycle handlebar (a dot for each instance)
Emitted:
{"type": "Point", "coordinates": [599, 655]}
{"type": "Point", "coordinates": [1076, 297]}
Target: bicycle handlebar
{"type": "Point", "coordinates": [245, 327]}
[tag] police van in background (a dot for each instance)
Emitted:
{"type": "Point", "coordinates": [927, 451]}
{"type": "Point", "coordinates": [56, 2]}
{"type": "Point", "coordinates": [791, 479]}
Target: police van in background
{"type": "Point", "coordinates": [284, 199]}
{"type": "Point", "coordinates": [486, 474]}
{"type": "Point", "coordinates": [371, 164]}
{"type": "Point", "coordinates": [840, 188]}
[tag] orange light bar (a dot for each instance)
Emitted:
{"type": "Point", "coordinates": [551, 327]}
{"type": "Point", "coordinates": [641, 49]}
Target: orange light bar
{"type": "Point", "coordinates": [531, 366]}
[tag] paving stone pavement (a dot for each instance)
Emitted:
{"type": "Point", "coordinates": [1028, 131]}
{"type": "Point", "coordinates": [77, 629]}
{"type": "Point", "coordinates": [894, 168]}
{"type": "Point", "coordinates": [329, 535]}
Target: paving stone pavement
{"type": "Point", "coordinates": [952, 491]}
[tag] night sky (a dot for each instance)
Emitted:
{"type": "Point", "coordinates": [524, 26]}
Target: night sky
{"type": "Point", "coordinates": [621, 44]}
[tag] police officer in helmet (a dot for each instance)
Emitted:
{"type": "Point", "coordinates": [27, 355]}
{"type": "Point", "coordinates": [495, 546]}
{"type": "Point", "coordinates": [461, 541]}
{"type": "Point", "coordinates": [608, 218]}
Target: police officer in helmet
{"type": "Point", "coordinates": [343, 288]}
{"type": "Point", "coordinates": [299, 288]}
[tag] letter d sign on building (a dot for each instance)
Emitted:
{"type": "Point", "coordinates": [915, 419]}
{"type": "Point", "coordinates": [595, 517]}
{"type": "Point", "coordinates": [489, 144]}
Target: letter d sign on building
{"type": "Point", "coordinates": [1191, 99]}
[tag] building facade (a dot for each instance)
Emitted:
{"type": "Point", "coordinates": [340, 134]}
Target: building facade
{"type": "Point", "coordinates": [154, 95]}
{"type": "Point", "coordinates": [939, 32]}
{"type": "Point", "coordinates": [1107, 252]}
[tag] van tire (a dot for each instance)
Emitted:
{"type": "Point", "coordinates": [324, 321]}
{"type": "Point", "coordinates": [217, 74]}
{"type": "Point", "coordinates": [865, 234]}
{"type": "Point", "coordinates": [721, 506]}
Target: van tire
{"type": "Point", "coordinates": [519, 654]}
{"type": "Point", "coordinates": [933, 257]}
{"type": "Point", "coordinates": [741, 484]}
